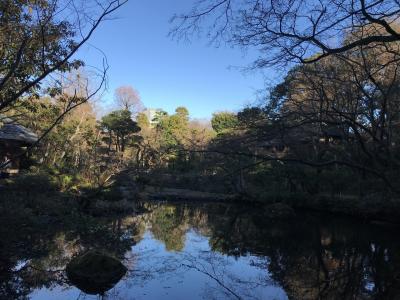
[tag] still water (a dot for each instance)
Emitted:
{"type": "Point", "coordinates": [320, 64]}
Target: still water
{"type": "Point", "coordinates": [212, 251]}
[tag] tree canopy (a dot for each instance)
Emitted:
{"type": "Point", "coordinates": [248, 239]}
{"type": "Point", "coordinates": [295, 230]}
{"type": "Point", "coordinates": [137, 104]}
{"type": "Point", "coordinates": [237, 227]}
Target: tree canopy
{"type": "Point", "coordinates": [224, 121]}
{"type": "Point", "coordinates": [293, 31]}
{"type": "Point", "coordinates": [39, 38]}
{"type": "Point", "coordinates": [120, 124]}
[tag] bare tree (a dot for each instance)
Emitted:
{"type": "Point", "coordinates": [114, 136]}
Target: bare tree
{"type": "Point", "coordinates": [39, 38]}
{"type": "Point", "coordinates": [38, 41]}
{"type": "Point", "coordinates": [287, 31]}
{"type": "Point", "coordinates": [75, 97]}
{"type": "Point", "coordinates": [128, 98]}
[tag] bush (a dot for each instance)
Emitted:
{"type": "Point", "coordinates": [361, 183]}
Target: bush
{"type": "Point", "coordinates": [34, 182]}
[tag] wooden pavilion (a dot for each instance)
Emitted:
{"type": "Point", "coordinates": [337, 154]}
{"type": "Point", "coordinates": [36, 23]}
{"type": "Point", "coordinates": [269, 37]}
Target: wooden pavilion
{"type": "Point", "coordinates": [14, 140]}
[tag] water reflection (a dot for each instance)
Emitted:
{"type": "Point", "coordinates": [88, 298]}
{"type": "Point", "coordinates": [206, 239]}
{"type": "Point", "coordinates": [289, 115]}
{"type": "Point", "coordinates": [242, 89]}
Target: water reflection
{"type": "Point", "coordinates": [95, 272]}
{"type": "Point", "coordinates": [212, 251]}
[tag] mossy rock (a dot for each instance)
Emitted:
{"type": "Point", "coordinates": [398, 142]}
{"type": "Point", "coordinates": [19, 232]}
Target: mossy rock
{"type": "Point", "coordinates": [95, 272]}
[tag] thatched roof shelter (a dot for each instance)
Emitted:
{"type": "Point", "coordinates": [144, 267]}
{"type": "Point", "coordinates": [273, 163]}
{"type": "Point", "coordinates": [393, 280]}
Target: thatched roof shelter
{"type": "Point", "coordinates": [13, 139]}
{"type": "Point", "coordinates": [12, 132]}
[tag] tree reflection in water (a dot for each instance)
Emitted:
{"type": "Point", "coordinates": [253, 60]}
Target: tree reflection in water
{"type": "Point", "coordinates": [209, 250]}
{"type": "Point", "coordinates": [311, 257]}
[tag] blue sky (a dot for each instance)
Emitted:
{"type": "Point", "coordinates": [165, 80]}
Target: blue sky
{"type": "Point", "coordinates": [168, 73]}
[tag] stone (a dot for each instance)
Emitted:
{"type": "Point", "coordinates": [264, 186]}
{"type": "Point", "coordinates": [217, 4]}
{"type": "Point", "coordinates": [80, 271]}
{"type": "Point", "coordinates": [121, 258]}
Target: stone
{"type": "Point", "coordinates": [95, 272]}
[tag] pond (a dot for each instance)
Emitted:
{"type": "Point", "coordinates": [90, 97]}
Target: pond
{"type": "Point", "coordinates": [209, 251]}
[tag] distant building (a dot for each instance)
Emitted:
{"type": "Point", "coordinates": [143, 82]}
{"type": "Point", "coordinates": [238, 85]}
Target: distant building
{"type": "Point", "coordinates": [151, 113]}
{"type": "Point", "coordinates": [14, 139]}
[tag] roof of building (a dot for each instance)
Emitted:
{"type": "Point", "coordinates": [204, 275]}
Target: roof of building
{"type": "Point", "coordinates": [12, 131]}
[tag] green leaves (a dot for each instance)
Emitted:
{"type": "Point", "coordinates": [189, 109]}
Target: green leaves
{"type": "Point", "coordinates": [174, 128]}
{"type": "Point", "coordinates": [222, 122]}
{"type": "Point", "coordinates": [120, 124]}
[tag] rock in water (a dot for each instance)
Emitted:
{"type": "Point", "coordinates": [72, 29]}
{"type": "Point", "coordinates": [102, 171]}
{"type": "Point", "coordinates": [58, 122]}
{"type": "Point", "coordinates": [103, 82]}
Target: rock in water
{"type": "Point", "coordinates": [95, 272]}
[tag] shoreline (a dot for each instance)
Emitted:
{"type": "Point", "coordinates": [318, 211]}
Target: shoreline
{"type": "Point", "coordinates": [368, 210]}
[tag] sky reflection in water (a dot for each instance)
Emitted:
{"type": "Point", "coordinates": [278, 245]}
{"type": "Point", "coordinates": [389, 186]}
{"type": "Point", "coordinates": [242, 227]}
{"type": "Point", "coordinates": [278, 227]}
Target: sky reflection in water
{"type": "Point", "coordinates": [223, 252]}
{"type": "Point", "coordinates": [196, 272]}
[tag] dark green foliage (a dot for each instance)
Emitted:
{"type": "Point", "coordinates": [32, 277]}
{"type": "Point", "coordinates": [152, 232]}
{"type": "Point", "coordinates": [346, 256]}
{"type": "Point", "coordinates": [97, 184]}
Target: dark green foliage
{"type": "Point", "coordinates": [224, 121]}
{"type": "Point", "coordinates": [36, 48]}
{"type": "Point", "coordinates": [35, 183]}
{"type": "Point", "coordinates": [120, 126]}
{"type": "Point", "coordinates": [160, 115]}
{"type": "Point", "coordinates": [251, 116]}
